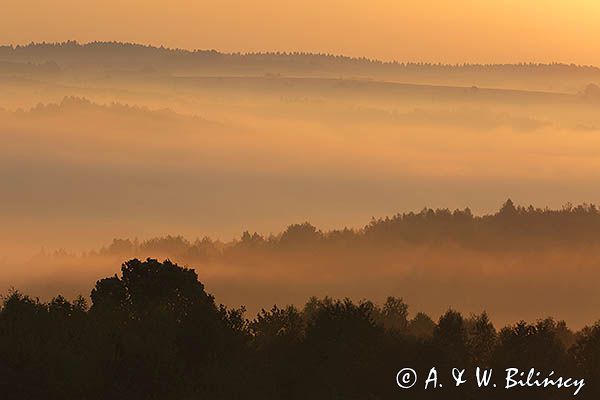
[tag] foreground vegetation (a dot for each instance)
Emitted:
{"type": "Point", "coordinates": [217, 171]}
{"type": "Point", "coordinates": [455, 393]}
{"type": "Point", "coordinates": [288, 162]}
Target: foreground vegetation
{"type": "Point", "coordinates": [155, 333]}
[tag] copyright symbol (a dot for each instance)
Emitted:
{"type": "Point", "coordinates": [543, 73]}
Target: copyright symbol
{"type": "Point", "coordinates": [406, 378]}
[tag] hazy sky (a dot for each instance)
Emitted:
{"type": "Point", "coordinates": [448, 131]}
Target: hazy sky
{"type": "Point", "coordinates": [494, 31]}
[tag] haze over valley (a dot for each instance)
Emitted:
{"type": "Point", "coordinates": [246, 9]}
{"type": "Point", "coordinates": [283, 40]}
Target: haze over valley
{"type": "Point", "coordinates": [109, 140]}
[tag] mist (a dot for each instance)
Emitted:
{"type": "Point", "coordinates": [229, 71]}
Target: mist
{"type": "Point", "coordinates": [114, 148]}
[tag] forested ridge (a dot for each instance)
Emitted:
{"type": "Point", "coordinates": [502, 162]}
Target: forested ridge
{"type": "Point", "coordinates": [46, 60]}
{"type": "Point", "coordinates": [511, 227]}
{"type": "Point", "coordinates": [134, 50]}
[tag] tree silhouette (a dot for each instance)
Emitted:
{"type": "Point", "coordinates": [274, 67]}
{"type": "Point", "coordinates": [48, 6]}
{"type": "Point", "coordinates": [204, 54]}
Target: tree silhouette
{"type": "Point", "coordinates": [155, 333]}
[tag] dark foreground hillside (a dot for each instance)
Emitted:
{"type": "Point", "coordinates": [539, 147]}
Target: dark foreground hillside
{"type": "Point", "coordinates": [155, 333]}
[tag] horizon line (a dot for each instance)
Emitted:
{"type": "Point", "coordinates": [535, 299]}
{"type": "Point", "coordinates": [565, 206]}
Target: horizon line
{"type": "Point", "coordinates": [396, 62]}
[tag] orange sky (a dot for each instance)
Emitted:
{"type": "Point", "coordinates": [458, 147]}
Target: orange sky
{"type": "Point", "coordinates": [419, 30]}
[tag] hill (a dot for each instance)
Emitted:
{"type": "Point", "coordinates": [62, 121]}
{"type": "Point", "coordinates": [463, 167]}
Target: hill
{"type": "Point", "coordinates": [110, 56]}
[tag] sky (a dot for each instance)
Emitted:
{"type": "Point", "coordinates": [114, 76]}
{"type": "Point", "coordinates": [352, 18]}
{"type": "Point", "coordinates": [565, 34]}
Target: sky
{"type": "Point", "coordinates": [493, 31]}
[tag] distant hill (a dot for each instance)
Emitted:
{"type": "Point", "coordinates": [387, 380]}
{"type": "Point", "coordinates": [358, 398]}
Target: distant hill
{"type": "Point", "coordinates": [110, 56]}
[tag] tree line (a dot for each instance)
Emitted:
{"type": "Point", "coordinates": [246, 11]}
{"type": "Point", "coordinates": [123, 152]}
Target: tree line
{"type": "Point", "coordinates": [511, 228]}
{"type": "Point", "coordinates": [155, 333]}
{"type": "Point", "coordinates": [128, 53]}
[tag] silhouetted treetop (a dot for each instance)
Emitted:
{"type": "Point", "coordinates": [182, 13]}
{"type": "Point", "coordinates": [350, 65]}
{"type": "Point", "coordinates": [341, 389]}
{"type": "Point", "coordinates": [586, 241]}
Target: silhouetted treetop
{"type": "Point", "coordinates": [148, 287]}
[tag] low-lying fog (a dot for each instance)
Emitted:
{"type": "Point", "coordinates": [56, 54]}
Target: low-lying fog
{"type": "Point", "coordinates": [83, 161]}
